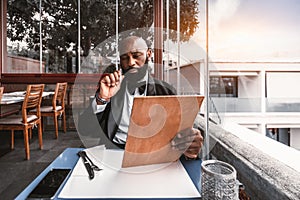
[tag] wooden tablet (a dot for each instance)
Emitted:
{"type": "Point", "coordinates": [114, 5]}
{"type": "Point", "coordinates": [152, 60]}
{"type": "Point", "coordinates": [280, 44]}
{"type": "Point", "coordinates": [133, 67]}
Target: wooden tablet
{"type": "Point", "coordinates": [154, 122]}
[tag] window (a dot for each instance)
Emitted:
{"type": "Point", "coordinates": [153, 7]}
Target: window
{"type": "Point", "coordinates": [60, 36]}
{"type": "Point", "coordinates": [281, 135]}
{"type": "Point", "coordinates": [223, 86]}
{"type": "Point", "coordinates": [41, 38]}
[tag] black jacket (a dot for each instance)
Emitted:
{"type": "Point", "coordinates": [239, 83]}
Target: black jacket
{"type": "Point", "coordinates": [92, 125]}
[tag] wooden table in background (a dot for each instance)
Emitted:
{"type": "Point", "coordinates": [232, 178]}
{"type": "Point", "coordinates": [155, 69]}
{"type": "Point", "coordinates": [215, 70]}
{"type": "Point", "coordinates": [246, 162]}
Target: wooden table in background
{"type": "Point", "coordinates": [11, 102]}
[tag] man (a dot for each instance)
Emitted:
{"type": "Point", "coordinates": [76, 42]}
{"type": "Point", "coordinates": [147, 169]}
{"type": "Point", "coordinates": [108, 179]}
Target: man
{"type": "Point", "coordinates": [114, 97]}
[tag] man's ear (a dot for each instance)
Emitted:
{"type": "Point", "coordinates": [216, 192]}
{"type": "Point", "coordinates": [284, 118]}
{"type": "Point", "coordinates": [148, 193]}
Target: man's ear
{"type": "Point", "coordinates": [149, 54]}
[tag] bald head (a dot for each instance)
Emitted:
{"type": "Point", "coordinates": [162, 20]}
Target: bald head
{"type": "Point", "coordinates": [134, 54]}
{"type": "Point", "coordinates": [132, 44]}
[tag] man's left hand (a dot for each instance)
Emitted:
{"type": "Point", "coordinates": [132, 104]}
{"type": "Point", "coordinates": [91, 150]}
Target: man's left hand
{"type": "Point", "coordinates": [189, 141]}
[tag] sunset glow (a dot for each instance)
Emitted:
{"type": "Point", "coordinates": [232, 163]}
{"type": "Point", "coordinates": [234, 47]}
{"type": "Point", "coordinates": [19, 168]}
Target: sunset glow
{"type": "Point", "coordinates": [251, 30]}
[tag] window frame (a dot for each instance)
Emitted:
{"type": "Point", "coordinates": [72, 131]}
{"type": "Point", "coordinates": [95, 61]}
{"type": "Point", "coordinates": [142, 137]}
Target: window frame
{"type": "Point", "coordinates": [14, 78]}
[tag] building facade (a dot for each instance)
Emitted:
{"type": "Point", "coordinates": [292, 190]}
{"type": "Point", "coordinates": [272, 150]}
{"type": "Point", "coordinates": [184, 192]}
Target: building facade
{"type": "Point", "coordinates": [261, 96]}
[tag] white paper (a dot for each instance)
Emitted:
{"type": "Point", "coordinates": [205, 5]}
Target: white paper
{"type": "Point", "coordinates": [168, 180]}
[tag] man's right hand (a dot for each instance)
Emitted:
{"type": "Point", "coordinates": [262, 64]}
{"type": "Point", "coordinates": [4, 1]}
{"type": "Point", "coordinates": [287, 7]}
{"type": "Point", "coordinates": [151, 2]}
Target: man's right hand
{"type": "Point", "coordinates": [109, 84]}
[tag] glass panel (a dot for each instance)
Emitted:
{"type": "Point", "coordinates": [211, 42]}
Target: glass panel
{"type": "Point", "coordinates": [283, 104]}
{"type": "Point", "coordinates": [52, 27]}
{"type": "Point", "coordinates": [100, 30]}
{"type": "Point", "coordinates": [97, 34]}
{"type": "Point", "coordinates": [228, 104]}
{"type": "Point", "coordinates": [182, 54]}
{"type": "Point", "coordinates": [23, 38]}
{"type": "Point", "coordinates": [60, 36]}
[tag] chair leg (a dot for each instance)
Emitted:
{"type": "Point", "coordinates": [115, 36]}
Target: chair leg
{"type": "Point", "coordinates": [56, 126]}
{"type": "Point", "coordinates": [26, 143]}
{"type": "Point", "coordinates": [30, 133]}
{"type": "Point", "coordinates": [40, 133]}
{"type": "Point", "coordinates": [42, 123]}
{"type": "Point", "coordinates": [12, 140]}
{"type": "Point", "coordinates": [64, 122]}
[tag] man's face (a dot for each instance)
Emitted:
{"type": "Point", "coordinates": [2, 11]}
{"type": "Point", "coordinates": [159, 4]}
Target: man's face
{"type": "Point", "coordinates": [133, 60]}
{"type": "Point", "coordinates": [134, 54]}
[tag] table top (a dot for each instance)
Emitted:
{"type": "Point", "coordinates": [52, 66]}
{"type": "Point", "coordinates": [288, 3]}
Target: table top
{"type": "Point", "coordinates": [69, 158]}
{"type": "Point", "coordinates": [17, 97]}
{"type": "Point", "coordinates": [66, 160]}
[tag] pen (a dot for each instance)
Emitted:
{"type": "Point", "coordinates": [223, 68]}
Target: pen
{"type": "Point", "coordinates": [94, 167]}
{"type": "Point", "coordinates": [87, 165]}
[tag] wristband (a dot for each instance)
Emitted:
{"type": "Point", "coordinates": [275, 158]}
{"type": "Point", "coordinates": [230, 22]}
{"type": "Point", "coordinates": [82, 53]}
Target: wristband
{"type": "Point", "coordinates": [103, 101]}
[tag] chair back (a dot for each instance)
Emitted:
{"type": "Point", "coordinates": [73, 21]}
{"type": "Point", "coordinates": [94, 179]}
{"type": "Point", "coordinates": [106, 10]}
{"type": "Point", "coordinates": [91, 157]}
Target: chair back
{"type": "Point", "coordinates": [59, 95]}
{"type": "Point", "coordinates": [1, 92]}
{"type": "Point", "coordinates": [32, 100]}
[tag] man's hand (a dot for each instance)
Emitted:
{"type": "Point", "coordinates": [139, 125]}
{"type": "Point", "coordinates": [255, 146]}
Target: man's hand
{"type": "Point", "coordinates": [189, 141]}
{"type": "Point", "coordinates": [109, 84]}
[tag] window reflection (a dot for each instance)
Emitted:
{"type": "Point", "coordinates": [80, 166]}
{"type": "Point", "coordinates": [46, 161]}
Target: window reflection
{"type": "Point", "coordinates": [57, 36]}
{"type": "Point", "coordinates": [44, 38]}
{"type": "Point", "coordinates": [23, 50]}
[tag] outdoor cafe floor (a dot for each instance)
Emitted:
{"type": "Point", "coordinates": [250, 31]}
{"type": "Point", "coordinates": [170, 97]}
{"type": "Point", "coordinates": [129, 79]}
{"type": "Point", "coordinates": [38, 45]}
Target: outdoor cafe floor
{"type": "Point", "coordinates": [16, 172]}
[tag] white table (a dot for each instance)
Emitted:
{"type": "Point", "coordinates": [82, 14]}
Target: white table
{"type": "Point", "coordinates": [10, 102]}
{"type": "Point", "coordinates": [17, 97]}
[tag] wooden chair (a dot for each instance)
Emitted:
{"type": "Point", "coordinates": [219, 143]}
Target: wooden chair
{"type": "Point", "coordinates": [1, 92]}
{"type": "Point", "coordinates": [58, 106]}
{"type": "Point", "coordinates": [25, 120]}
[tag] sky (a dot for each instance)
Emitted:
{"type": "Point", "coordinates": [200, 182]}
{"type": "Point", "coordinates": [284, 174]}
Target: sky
{"type": "Point", "coordinates": [249, 30]}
